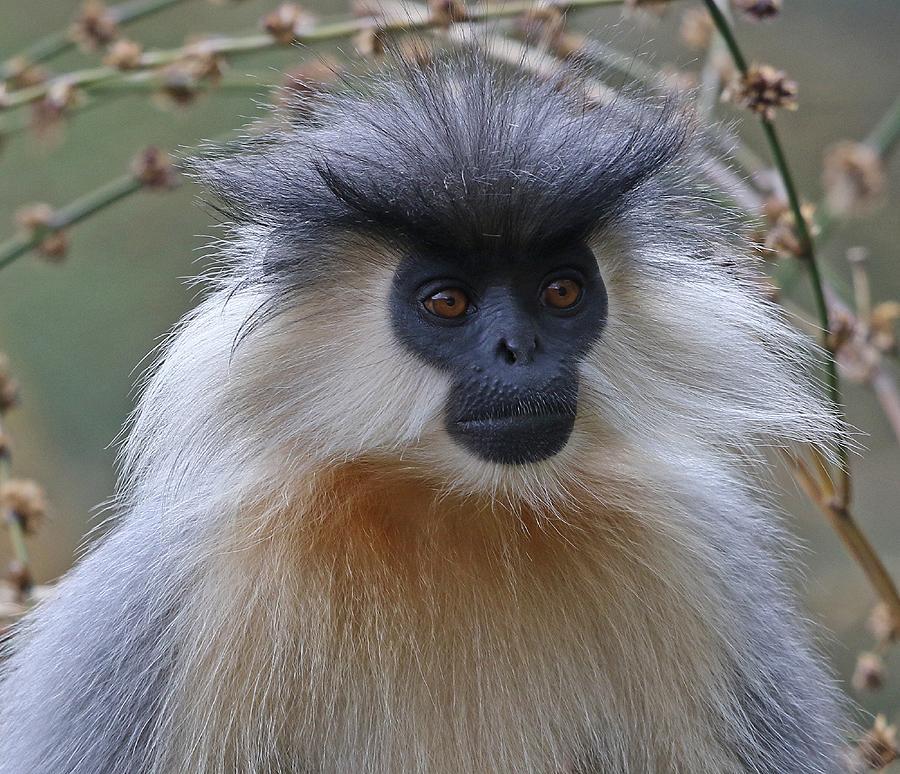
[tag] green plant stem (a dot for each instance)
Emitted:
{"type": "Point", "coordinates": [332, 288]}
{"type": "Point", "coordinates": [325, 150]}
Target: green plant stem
{"type": "Point", "coordinates": [837, 507]}
{"type": "Point", "coordinates": [807, 253]}
{"type": "Point", "coordinates": [59, 42]}
{"type": "Point", "coordinates": [723, 26]}
{"type": "Point", "coordinates": [236, 45]}
{"type": "Point", "coordinates": [69, 215]}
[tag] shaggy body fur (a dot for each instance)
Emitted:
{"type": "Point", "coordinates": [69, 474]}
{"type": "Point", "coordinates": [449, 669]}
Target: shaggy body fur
{"type": "Point", "coordinates": [310, 576]}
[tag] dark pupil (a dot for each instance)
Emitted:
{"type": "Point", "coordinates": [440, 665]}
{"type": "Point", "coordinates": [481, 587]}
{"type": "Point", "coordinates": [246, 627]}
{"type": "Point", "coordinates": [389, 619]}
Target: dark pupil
{"type": "Point", "coordinates": [447, 299]}
{"type": "Point", "coordinates": [562, 290]}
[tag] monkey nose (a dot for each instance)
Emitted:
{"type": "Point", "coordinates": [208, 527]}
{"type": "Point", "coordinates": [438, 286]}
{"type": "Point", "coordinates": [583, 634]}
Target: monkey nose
{"type": "Point", "coordinates": [517, 349]}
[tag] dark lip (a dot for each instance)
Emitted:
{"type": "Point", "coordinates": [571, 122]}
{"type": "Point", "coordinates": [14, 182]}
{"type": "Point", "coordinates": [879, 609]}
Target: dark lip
{"type": "Point", "coordinates": [527, 410]}
{"type": "Point", "coordinates": [507, 420]}
{"type": "Point", "coordinates": [516, 439]}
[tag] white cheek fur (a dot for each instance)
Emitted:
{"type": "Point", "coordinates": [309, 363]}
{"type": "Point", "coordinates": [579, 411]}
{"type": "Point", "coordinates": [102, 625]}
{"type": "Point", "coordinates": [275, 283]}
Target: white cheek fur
{"type": "Point", "coordinates": [690, 354]}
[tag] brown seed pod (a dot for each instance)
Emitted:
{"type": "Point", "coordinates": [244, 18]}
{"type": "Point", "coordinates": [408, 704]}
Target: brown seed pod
{"type": "Point", "coordinates": [763, 89]}
{"type": "Point", "coordinates": [124, 54]}
{"type": "Point", "coordinates": [286, 22]}
{"type": "Point", "coordinates": [370, 42]}
{"type": "Point", "coordinates": [19, 577]}
{"type": "Point", "coordinates": [853, 178]}
{"type": "Point", "coordinates": [869, 673]}
{"type": "Point", "coordinates": [446, 12]}
{"type": "Point", "coordinates": [878, 748]}
{"type": "Point", "coordinates": [696, 28]}
{"type": "Point", "coordinates": [25, 501]}
{"type": "Point", "coordinates": [153, 168]}
{"type": "Point", "coordinates": [9, 388]}
{"type": "Point", "coordinates": [95, 26]}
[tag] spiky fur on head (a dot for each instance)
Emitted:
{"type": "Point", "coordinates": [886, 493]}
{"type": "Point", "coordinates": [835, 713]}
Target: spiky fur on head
{"type": "Point", "coordinates": [354, 592]}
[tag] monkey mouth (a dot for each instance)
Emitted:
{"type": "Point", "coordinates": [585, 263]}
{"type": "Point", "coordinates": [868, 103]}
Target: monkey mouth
{"type": "Point", "coordinates": [514, 435]}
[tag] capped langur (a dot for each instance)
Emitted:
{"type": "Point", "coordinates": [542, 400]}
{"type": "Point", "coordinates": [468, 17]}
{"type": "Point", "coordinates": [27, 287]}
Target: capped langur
{"type": "Point", "coordinates": [452, 471]}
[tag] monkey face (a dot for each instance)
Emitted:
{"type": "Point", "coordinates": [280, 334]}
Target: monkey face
{"type": "Point", "coordinates": [510, 333]}
{"type": "Point", "coordinates": [424, 271]}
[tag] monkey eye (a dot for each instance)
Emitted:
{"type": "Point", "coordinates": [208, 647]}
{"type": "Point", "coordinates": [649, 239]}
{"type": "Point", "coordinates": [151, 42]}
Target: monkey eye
{"type": "Point", "coordinates": [448, 303]}
{"type": "Point", "coordinates": [562, 293]}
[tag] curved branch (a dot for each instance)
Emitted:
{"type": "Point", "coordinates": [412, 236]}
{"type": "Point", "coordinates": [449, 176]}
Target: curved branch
{"type": "Point", "coordinates": [59, 42]}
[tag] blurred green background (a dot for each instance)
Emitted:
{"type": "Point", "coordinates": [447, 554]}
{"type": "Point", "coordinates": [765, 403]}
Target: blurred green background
{"type": "Point", "coordinates": [76, 333]}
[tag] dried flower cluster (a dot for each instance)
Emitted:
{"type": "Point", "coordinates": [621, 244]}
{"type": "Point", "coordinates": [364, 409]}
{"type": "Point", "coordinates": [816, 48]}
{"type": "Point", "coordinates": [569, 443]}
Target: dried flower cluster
{"type": "Point", "coordinates": [286, 22]}
{"type": "Point", "coordinates": [48, 113]}
{"type": "Point", "coordinates": [881, 625]}
{"type": "Point", "coordinates": [182, 80]}
{"type": "Point", "coordinates": [9, 388]}
{"type": "Point", "coordinates": [443, 13]}
{"type": "Point", "coordinates": [762, 90]}
{"type": "Point", "coordinates": [153, 168]}
{"type": "Point", "coordinates": [853, 178]}
{"type": "Point", "coordinates": [878, 748]}
{"type": "Point", "coordinates": [18, 577]}
{"type": "Point", "coordinates": [883, 322]}
{"type": "Point", "coordinates": [24, 500]}
{"type": "Point", "coordinates": [371, 42]}
{"type": "Point", "coordinates": [124, 54]}
{"type": "Point", "coordinates": [23, 73]}
{"type": "Point", "coordinates": [696, 28]}
{"type": "Point", "coordinates": [861, 340]}
{"type": "Point", "coordinates": [782, 237]}
{"type": "Point", "coordinates": [869, 672]}
{"type": "Point", "coordinates": [95, 26]}
{"type": "Point", "coordinates": [39, 221]}
{"type": "Point", "coordinates": [22, 508]}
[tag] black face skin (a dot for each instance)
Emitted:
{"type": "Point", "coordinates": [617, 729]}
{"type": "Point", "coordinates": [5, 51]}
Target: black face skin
{"type": "Point", "coordinates": [513, 353]}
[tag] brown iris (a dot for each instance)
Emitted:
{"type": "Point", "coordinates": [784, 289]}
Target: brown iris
{"type": "Point", "coordinates": [448, 303]}
{"type": "Point", "coordinates": [561, 293]}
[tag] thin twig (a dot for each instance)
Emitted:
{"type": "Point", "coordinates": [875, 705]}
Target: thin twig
{"type": "Point", "coordinates": [246, 44]}
{"type": "Point", "coordinates": [817, 487]}
{"type": "Point", "coordinates": [75, 212]}
{"type": "Point", "coordinates": [59, 42]}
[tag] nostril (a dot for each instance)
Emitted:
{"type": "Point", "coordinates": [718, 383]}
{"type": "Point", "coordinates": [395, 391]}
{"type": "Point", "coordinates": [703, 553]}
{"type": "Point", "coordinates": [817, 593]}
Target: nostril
{"type": "Point", "coordinates": [507, 352]}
